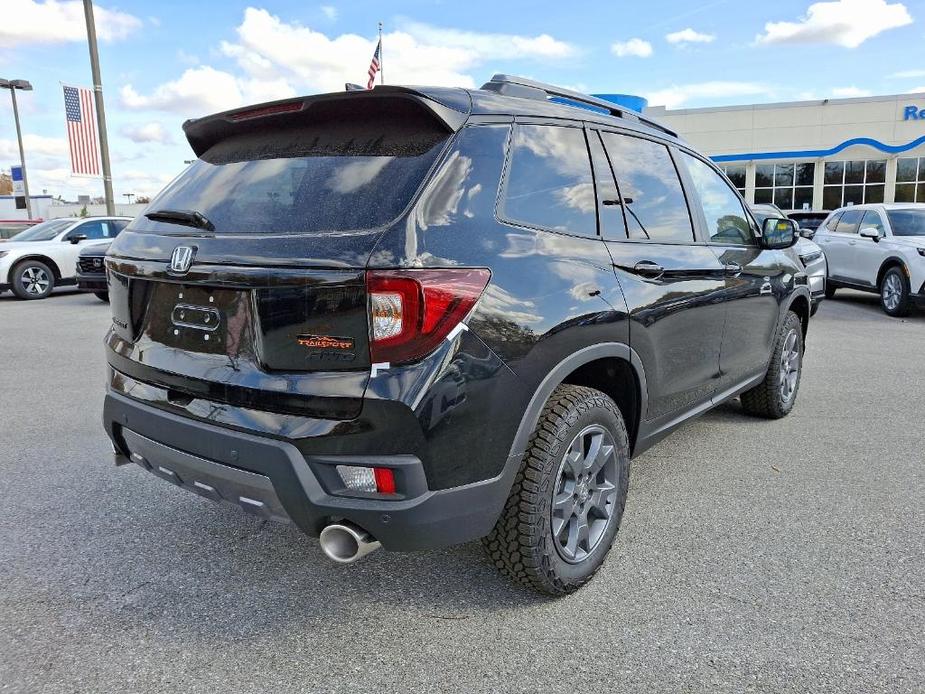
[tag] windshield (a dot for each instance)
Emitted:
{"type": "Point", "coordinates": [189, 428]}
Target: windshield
{"type": "Point", "coordinates": [342, 177]}
{"type": "Point", "coordinates": [907, 222]}
{"type": "Point", "coordinates": [45, 231]}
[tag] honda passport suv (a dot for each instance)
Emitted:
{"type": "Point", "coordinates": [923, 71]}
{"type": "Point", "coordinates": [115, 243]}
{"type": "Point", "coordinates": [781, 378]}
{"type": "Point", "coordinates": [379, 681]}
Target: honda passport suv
{"type": "Point", "coordinates": [415, 317]}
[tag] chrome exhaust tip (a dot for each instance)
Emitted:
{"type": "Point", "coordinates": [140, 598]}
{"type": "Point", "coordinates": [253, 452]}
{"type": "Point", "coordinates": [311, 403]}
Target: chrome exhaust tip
{"type": "Point", "coordinates": [346, 543]}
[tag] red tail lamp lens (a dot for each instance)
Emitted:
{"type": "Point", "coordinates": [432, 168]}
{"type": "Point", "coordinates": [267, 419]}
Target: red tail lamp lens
{"type": "Point", "coordinates": [411, 311]}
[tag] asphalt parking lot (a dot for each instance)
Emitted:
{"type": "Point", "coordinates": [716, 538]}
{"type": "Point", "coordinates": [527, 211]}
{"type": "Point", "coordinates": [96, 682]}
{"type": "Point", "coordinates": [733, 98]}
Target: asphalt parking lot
{"type": "Point", "coordinates": [754, 555]}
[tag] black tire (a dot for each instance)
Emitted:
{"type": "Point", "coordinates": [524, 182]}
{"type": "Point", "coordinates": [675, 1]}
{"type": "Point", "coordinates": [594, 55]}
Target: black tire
{"type": "Point", "coordinates": [894, 293]}
{"type": "Point", "coordinates": [773, 398]}
{"type": "Point", "coordinates": [32, 279]}
{"type": "Point", "coordinates": [102, 296]}
{"type": "Point", "coordinates": [829, 290]}
{"type": "Point", "coordinates": [522, 544]}
{"type": "Point", "coordinates": [814, 309]}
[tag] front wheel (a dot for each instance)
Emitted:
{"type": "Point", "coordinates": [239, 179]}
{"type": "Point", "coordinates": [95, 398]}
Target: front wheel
{"type": "Point", "coordinates": [32, 279]}
{"type": "Point", "coordinates": [102, 296]}
{"type": "Point", "coordinates": [567, 500]}
{"type": "Point", "coordinates": [774, 397]}
{"type": "Point", "coordinates": [894, 293]}
{"type": "Point", "coordinates": [829, 290]}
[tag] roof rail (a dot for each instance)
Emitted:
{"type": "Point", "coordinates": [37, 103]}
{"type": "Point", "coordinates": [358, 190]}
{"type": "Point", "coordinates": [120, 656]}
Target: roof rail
{"type": "Point", "coordinates": [511, 85]}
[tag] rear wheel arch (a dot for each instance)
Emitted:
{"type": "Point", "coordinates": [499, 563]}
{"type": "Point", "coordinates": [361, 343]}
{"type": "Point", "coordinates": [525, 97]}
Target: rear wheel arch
{"type": "Point", "coordinates": [40, 258]}
{"type": "Point", "coordinates": [610, 367]}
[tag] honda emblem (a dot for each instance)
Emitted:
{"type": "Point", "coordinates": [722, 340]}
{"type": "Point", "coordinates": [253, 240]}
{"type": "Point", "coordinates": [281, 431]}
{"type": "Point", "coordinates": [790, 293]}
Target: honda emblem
{"type": "Point", "coordinates": [181, 259]}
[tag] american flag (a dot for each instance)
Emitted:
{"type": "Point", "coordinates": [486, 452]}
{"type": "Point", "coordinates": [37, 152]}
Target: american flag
{"type": "Point", "coordinates": [374, 65]}
{"type": "Point", "coordinates": [81, 131]}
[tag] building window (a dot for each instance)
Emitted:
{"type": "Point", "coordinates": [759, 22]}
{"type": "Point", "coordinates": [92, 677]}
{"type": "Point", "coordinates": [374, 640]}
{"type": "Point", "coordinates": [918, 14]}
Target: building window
{"type": "Point", "coordinates": [789, 186]}
{"type": "Point", "coordinates": [736, 175]}
{"type": "Point", "coordinates": [910, 179]}
{"type": "Point", "coordinates": [853, 183]}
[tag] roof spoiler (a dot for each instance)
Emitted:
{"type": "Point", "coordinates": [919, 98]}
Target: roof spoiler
{"type": "Point", "coordinates": [203, 133]}
{"type": "Point", "coordinates": [511, 85]}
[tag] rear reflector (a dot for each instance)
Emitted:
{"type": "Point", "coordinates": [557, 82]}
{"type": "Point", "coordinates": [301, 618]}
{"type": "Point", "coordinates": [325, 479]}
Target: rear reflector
{"type": "Point", "coordinates": [411, 311]}
{"type": "Point", "coordinates": [374, 480]}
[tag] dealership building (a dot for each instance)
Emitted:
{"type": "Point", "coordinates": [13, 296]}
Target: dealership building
{"type": "Point", "coordinates": [815, 155]}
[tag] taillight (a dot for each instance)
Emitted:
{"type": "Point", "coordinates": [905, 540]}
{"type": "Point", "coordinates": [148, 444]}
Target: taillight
{"type": "Point", "coordinates": [411, 311]}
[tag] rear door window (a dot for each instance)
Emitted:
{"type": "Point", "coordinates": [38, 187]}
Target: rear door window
{"type": "Point", "coordinates": [849, 222]}
{"type": "Point", "coordinates": [549, 183]}
{"type": "Point", "coordinates": [653, 199]}
{"type": "Point", "coordinates": [337, 176]}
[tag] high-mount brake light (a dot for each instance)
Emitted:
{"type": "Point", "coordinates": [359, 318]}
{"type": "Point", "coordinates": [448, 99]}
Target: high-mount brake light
{"type": "Point", "coordinates": [266, 111]}
{"type": "Point", "coordinates": [411, 311]}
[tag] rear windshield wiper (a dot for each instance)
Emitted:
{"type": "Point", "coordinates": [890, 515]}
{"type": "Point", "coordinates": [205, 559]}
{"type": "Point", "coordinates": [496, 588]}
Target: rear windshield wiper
{"type": "Point", "coordinates": [189, 218]}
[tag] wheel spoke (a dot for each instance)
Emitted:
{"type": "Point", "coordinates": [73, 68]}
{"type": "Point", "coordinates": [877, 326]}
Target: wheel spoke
{"type": "Point", "coordinates": [603, 455]}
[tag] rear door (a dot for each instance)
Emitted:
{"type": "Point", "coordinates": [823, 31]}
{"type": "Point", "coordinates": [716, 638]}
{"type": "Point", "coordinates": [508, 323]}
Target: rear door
{"type": "Point", "coordinates": [754, 277]}
{"type": "Point", "coordinates": [672, 282]}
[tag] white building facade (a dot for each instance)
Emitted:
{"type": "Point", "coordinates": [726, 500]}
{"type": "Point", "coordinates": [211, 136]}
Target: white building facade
{"type": "Point", "coordinates": [816, 155]}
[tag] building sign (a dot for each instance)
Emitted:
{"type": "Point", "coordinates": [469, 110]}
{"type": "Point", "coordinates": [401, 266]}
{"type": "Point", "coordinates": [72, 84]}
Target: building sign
{"type": "Point", "coordinates": [913, 113]}
{"type": "Point", "coordinates": [19, 189]}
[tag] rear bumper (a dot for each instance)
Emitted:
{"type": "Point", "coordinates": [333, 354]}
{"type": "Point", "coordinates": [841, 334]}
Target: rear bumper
{"type": "Point", "coordinates": [273, 479]}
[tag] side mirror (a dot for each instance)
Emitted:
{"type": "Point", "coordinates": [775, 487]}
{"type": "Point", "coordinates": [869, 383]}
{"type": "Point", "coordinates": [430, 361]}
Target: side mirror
{"type": "Point", "coordinates": [777, 234]}
{"type": "Point", "coordinates": [870, 233]}
{"type": "Point", "coordinates": [77, 238]}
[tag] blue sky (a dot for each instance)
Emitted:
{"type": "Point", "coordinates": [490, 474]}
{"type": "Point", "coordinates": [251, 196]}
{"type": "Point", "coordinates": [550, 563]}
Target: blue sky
{"type": "Point", "coordinates": [165, 61]}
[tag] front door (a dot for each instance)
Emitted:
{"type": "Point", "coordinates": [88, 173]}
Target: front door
{"type": "Point", "coordinates": [755, 278]}
{"type": "Point", "coordinates": [671, 282]}
{"type": "Point", "coordinates": [867, 254]}
{"type": "Point", "coordinates": [840, 245]}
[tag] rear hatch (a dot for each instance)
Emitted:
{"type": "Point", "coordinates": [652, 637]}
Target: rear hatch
{"type": "Point", "coordinates": [276, 220]}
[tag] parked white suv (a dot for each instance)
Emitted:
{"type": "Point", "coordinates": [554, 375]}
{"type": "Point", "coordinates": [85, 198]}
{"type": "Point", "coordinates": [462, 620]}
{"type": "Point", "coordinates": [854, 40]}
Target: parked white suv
{"type": "Point", "coordinates": [877, 248]}
{"type": "Point", "coordinates": [36, 260]}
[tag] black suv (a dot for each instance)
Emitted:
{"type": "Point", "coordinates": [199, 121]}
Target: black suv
{"type": "Point", "coordinates": [419, 317]}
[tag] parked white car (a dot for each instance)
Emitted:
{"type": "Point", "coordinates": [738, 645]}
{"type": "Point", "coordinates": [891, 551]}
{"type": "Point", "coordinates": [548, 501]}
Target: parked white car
{"type": "Point", "coordinates": [877, 248]}
{"type": "Point", "coordinates": [809, 253]}
{"type": "Point", "coordinates": [43, 257]}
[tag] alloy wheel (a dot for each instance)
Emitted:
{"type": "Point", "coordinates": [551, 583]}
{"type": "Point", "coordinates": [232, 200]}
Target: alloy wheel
{"type": "Point", "coordinates": [35, 280]}
{"type": "Point", "coordinates": [585, 493]}
{"type": "Point", "coordinates": [892, 291]}
{"type": "Point", "coordinates": [789, 366]}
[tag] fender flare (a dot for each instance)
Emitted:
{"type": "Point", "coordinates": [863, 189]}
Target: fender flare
{"type": "Point", "coordinates": [892, 260]}
{"type": "Point", "coordinates": [799, 291]}
{"type": "Point", "coordinates": [601, 350]}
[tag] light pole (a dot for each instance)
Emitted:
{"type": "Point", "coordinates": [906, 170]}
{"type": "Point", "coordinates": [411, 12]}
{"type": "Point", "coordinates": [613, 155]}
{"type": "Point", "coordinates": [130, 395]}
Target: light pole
{"type": "Point", "coordinates": [129, 196]}
{"type": "Point", "coordinates": [100, 110]}
{"type": "Point", "coordinates": [13, 85]}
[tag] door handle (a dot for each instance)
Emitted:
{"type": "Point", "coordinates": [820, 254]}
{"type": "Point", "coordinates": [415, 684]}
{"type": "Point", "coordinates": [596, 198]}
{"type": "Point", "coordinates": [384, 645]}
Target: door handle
{"type": "Point", "coordinates": [732, 269]}
{"type": "Point", "coordinates": [645, 268]}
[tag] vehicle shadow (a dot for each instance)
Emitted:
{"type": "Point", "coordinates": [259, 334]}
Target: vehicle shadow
{"type": "Point", "coordinates": [851, 300]}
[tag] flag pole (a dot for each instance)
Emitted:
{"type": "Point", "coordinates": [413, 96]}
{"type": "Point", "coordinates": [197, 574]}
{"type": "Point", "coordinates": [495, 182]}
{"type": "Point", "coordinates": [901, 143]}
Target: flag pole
{"type": "Point", "coordinates": [100, 112]}
{"type": "Point", "coordinates": [381, 71]}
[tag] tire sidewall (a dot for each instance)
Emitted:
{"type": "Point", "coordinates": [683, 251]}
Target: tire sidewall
{"type": "Point", "coordinates": [792, 323]}
{"type": "Point", "coordinates": [574, 422]}
{"type": "Point", "coordinates": [901, 308]}
{"type": "Point", "coordinates": [20, 290]}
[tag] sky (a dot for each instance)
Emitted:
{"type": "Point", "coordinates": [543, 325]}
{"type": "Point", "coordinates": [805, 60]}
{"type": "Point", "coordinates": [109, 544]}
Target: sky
{"type": "Point", "coordinates": [166, 61]}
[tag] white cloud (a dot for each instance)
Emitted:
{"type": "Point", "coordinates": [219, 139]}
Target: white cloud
{"type": "Point", "coordinates": [907, 74]}
{"type": "Point", "coordinates": [849, 92]}
{"type": "Point", "coordinates": [329, 11]}
{"type": "Point", "coordinates": [847, 23]}
{"type": "Point", "coordinates": [31, 21]}
{"type": "Point", "coordinates": [147, 132]}
{"type": "Point", "coordinates": [33, 145]}
{"type": "Point", "coordinates": [202, 90]}
{"type": "Point", "coordinates": [916, 90]}
{"type": "Point", "coordinates": [187, 58]}
{"type": "Point", "coordinates": [689, 36]}
{"type": "Point", "coordinates": [679, 95]}
{"type": "Point", "coordinates": [634, 47]}
{"type": "Point", "coordinates": [270, 48]}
